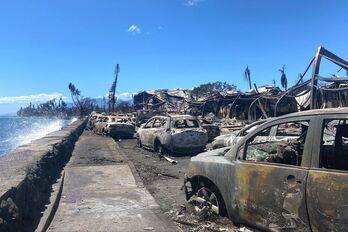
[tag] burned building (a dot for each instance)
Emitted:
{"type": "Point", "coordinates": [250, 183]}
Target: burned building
{"type": "Point", "coordinates": [252, 105]}
{"type": "Point", "coordinates": [261, 102]}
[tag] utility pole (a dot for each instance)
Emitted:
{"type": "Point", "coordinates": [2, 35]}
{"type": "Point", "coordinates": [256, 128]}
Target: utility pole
{"type": "Point", "coordinates": [112, 92]}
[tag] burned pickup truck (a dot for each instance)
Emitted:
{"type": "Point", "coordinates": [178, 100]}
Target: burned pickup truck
{"type": "Point", "coordinates": [289, 174]}
{"type": "Point", "coordinates": [176, 134]}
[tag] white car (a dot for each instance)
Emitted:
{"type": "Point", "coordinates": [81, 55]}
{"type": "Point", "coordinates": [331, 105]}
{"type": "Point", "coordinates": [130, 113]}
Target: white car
{"type": "Point", "coordinates": [177, 134]}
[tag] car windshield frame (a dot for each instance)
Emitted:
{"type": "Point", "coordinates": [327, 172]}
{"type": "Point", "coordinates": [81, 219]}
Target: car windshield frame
{"type": "Point", "coordinates": [186, 126]}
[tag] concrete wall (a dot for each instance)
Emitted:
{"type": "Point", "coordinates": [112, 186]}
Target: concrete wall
{"type": "Point", "coordinates": [27, 175]}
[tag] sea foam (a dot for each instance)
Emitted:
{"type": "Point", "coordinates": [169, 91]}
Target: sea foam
{"type": "Point", "coordinates": [17, 131]}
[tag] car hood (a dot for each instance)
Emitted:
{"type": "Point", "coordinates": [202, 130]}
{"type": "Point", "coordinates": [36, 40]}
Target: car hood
{"type": "Point", "coordinates": [225, 137]}
{"type": "Point", "coordinates": [216, 152]}
{"type": "Point", "coordinates": [119, 123]}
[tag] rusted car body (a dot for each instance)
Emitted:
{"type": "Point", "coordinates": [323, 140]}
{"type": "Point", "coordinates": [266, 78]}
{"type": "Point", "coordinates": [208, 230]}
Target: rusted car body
{"type": "Point", "coordinates": [93, 118]}
{"type": "Point", "coordinates": [99, 124]}
{"type": "Point", "coordinates": [118, 127]}
{"type": "Point", "coordinates": [290, 174]}
{"type": "Point", "coordinates": [177, 134]}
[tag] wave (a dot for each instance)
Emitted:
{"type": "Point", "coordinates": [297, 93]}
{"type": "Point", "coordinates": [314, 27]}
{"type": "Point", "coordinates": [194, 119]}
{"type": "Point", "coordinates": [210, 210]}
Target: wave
{"type": "Point", "coordinates": [74, 119]}
{"type": "Point", "coordinates": [17, 131]}
{"type": "Point", "coordinates": [38, 130]}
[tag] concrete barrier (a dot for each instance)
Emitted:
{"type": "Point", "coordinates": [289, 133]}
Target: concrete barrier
{"type": "Point", "coordinates": [27, 175]}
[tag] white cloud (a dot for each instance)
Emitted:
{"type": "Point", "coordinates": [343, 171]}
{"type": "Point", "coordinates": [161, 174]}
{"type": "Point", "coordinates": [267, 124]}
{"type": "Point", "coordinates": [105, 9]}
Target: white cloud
{"type": "Point", "coordinates": [35, 98]}
{"type": "Point", "coordinates": [134, 29]}
{"type": "Point", "coordinates": [192, 2]}
{"type": "Point", "coordinates": [126, 96]}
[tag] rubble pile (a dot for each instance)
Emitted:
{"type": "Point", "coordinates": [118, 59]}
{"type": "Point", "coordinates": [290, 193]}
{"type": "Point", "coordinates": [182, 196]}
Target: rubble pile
{"type": "Point", "coordinates": [189, 219]}
{"type": "Point", "coordinates": [249, 106]}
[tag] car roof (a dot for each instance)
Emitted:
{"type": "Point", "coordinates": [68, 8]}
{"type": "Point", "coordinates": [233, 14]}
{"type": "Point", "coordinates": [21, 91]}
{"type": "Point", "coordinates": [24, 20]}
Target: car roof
{"type": "Point", "coordinates": [118, 116]}
{"type": "Point", "coordinates": [182, 116]}
{"type": "Point", "coordinates": [328, 111]}
{"type": "Point", "coordinates": [176, 116]}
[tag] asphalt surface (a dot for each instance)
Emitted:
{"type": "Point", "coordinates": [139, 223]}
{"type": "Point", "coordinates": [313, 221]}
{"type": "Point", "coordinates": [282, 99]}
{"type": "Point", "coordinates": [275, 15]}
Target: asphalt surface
{"type": "Point", "coordinates": [101, 193]}
{"type": "Point", "coordinates": [164, 181]}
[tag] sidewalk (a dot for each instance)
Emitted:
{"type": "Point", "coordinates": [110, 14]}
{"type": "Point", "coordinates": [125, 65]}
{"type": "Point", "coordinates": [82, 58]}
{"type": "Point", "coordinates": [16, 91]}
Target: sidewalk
{"type": "Point", "coordinates": [100, 193]}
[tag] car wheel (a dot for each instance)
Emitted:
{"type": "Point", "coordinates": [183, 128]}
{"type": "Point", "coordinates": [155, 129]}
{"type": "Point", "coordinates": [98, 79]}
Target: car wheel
{"type": "Point", "coordinates": [208, 197]}
{"type": "Point", "coordinates": [139, 144]}
{"type": "Point", "coordinates": [160, 149]}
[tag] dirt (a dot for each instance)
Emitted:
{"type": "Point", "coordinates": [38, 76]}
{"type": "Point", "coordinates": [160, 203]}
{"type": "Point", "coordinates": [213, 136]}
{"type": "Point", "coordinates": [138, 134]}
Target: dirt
{"type": "Point", "coordinates": [164, 181]}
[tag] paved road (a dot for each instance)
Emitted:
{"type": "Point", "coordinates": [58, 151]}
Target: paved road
{"type": "Point", "coordinates": [100, 193]}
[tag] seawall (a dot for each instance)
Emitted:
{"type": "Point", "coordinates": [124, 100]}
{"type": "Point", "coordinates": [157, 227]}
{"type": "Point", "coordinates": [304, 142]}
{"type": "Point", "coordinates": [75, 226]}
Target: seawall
{"type": "Point", "coordinates": [27, 175]}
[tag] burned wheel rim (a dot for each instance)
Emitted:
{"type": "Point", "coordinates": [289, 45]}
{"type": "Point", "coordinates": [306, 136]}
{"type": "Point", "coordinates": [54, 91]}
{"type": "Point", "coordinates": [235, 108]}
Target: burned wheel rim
{"type": "Point", "coordinates": [160, 149]}
{"type": "Point", "coordinates": [139, 143]}
{"type": "Point", "coordinates": [207, 197]}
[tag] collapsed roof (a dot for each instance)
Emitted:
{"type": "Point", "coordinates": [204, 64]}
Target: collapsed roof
{"type": "Point", "coordinates": [259, 102]}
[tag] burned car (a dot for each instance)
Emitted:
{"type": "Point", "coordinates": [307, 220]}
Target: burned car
{"type": "Point", "coordinates": [176, 134]}
{"type": "Point", "coordinates": [230, 139]}
{"type": "Point", "coordinates": [212, 129]}
{"type": "Point", "coordinates": [93, 118]}
{"type": "Point", "coordinates": [116, 126]}
{"type": "Point", "coordinates": [289, 174]}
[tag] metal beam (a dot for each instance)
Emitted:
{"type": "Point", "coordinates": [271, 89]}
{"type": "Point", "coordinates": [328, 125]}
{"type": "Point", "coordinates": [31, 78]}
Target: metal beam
{"type": "Point", "coordinates": [333, 58]}
{"type": "Point", "coordinates": [314, 81]}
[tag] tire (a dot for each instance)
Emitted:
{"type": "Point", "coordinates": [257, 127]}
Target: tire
{"type": "Point", "coordinates": [139, 144]}
{"type": "Point", "coordinates": [212, 197]}
{"type": "Point", "coordinates": [160, 149]}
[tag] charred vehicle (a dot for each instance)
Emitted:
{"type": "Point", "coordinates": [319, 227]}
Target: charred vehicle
{"type": "Point", "coordinates": [177, 134]}
{"type": "Point", "coordinates": [289, 174]}
{"type": "Point", "coordinates": [230, 139]}
{"type": "Point", "coordinates": [212, 129]}
{"type": "Point", "coordinates": [118, 127]}
{"type": "Point", "coordinates": [92, 119]}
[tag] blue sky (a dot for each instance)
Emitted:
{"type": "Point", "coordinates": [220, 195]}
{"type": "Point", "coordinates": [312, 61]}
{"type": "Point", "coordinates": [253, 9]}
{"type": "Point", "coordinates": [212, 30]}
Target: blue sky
{"type": "Point", "coordinates": [44, 45]}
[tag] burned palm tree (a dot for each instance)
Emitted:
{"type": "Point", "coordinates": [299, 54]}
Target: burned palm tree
{"type": "Point", "coordinates": [75, 96]}
{"type": "Point", "coordinates": [247, 76]}
{"type": "Point", "coordinates": [283, 78]}
{"type": "Point", "coordinates": [112, 92]}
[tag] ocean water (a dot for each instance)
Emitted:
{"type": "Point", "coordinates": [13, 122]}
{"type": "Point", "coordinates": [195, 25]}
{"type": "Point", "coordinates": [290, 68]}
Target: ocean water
{"type": "Point", "coordinates": [16, 131]}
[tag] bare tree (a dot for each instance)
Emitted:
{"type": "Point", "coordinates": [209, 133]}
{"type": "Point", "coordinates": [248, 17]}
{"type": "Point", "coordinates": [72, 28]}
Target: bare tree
{"type": "Point", "coordinates": [283, 78]}
{"type": "Point", "coordinates": [104, 103]}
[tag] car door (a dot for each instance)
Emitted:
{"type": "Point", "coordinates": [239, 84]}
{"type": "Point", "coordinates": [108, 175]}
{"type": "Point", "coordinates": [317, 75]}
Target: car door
{"type": "Point", "coordinates": [154, 131]}
{"type": "Point", "coordinates": [160, 129]}
{"type": "Point", "coordinates": [271, 175]}
{"type": "Point", "coordinates": [145, 131]}
{"type": "Point", "coordinates": [327, 185]}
